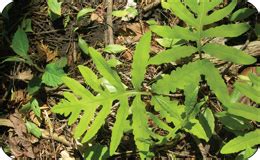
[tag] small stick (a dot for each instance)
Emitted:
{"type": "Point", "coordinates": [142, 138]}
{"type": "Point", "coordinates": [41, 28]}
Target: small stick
{"type": "Point", "coordinates": [109, 20]}
{"type": "Point", "coordinates": [45, 133]}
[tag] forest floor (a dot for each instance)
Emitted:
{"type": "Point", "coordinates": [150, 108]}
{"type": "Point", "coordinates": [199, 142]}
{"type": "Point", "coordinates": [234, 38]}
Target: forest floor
{"type": "Point", "coordinates": [53, 39]}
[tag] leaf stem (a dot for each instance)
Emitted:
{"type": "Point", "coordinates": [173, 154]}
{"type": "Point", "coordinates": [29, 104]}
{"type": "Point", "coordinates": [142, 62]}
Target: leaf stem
{"type": "Point", "coordinates": [38, 68]}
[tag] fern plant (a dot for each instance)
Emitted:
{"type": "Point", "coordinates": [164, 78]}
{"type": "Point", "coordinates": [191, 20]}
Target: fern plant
{"type": "Point", "coordinates": [85, 101]}
{"type": "Point", "coordinates": [192, 116]}
{"type": "Point", "coordinates": [248, 86]}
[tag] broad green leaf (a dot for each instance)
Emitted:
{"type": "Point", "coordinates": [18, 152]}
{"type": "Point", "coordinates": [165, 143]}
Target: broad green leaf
{"type": "Point", "coordinates": [83, 45]}
{"type": "Point", "coordinates": [53, 16]}
{"type": "Point", "coordinates": [242, 110]}
{"type": "Point", "coordinates": [240, 143]}
{"type": "Point", "coordinates": [175, 32]}
{"type": "Point", "coordinates": [113, 62]}
{"type": "Point", "coordinates": [105, 69]}
{"type": "Point", "coordinates": [140, 60]}
{"type": "Point", "coordinates": [194, 127]}
{"type": "Point", "coordinates": [76, 87]}
{"type": "Point", "coordinates": [114, 48]}
{"type": "Point", "coordinates": [25, 108]}
{"type": "Point", "coordinates": [98, 122]}
{"type": "Point", "coordinates": [90, 78]}
{"type": "Point", "coordinates": [232, 122]}
{"type": "Point", "coordinates": [33, 129]}
{"type": "Point", "coordinates": [83, 12]}
{"type": "Point", "coordinates": [36, 108]}
{"type": "Point", "coordinates": [228, 54]}
{"type": "Point", "coordinates": [140, 126]}
{"type": "Point", "coordinates": [182, 12]}
{"type": "Point", "coordinates": [132, 12]}
{"type": "Point", "coordinates": [96, 152]}
{"type": "Point", "coordinates": [52, 75]}
{"type": "Point", "coordinates": [242, 14]}
{"type": "Point", "coordinates": [55, 6]}
{"type": "Point", "coordinates": [220, 14]}
{"type": "Point", "coordinates": [117, 131]}
{"type": "Point", "coordinates": [120, 13]}
{"type": "Point", "coordinates": [207, 121]}
{"type": "Point", "coordinates": [27, 25]}
{"type": "Point", "coordinates": [20, 44]}
{"type": "Point", "coordinates": [249, 91]}
{"type": "Point", "coordinates": [172, 55]}
{"type": "Point", "coordinates": [230, 30]}
{"type": "Point", "coordinates": [62, 62]}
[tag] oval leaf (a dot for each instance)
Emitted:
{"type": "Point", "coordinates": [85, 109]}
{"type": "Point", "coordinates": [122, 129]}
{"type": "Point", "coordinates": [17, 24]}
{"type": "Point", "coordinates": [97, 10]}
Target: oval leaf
{"type": "Point", "coordinates": [242, 142]}
{"type": "Point", "coordinates": [20, 43]}
{"type": "Point", "coordinates": [230, 30]}
{"type": "Point", "coordinates": [33, 129]}
{"type": "Point", "coordinates": [83, 12]}
{"type": "Point", "coordinates": [117, 131]}
{"type": "Point", "coordinates": [114, 48]}
{"type": "Point", "coordinates": [242, 14]}
{"type": "Point", "coordinates": [104, 68]}
{"type": "Point", "coordinates": [54, 6]}
{"type": "Point", "coordinates": [140, 60]}
{"type": "Point", "coordinates": [228, 54]}
{"type": "Point", "coordinates": [220, 14]}
{"type": "Point", "coordinates": [171, 55]}
{"type": "Point", "coordinates": [242, 110]}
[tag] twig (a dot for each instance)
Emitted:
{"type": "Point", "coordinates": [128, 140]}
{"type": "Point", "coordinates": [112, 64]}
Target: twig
{"type": "Point", "coordinates": [202, 149]}
{"type": "Point", "coordinates": [50, 31]}
{"type": "Point", "coordinates": [109, 21]}
{"type": "Point", "coordinates": [151, 5]}
{"type": "Point", "coordinates": [45, 133]}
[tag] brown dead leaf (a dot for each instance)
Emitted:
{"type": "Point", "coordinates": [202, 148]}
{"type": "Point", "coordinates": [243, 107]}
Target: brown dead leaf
{"type": "Point", "coordinates": [13, 144]}
{"type": "Point", "coordinates": [18, 96]}
{"type": "Point", "coordinates": [45, 51]}
{"type": "Point", "coordinates": [128, 55]}
{"type": "Point", "coordinates": [18, 123]}
{"type": "Point", "coordinates": [65, 155]}
{"type": "Point", "coordinates": [96, 17]}
{"type": "Point", "coordinates": [138, 29]}
{"type": "Point", "coordinates": [19, 140]}
{"type": "Point", "coordinates": [34, 118]}
{"type": "Point", "coordinates": [24, 75]}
